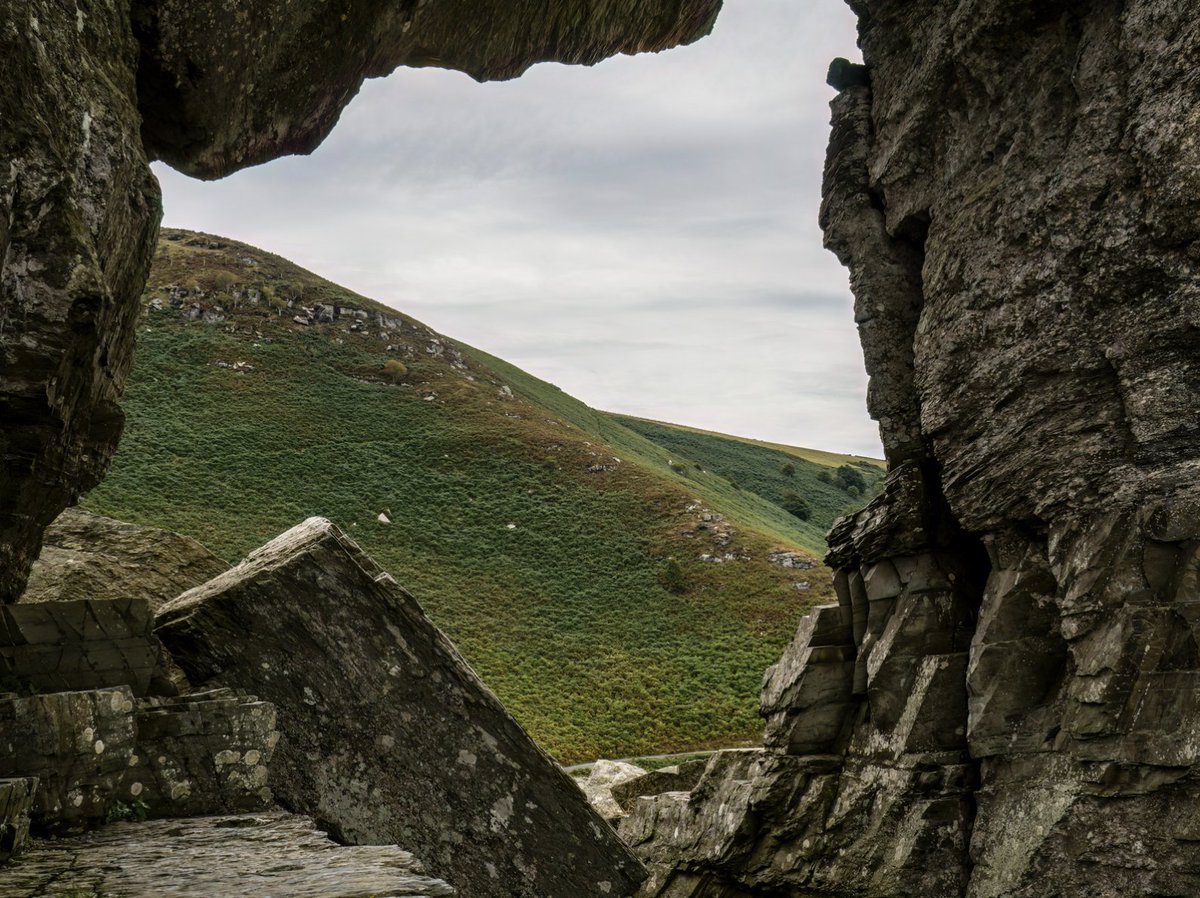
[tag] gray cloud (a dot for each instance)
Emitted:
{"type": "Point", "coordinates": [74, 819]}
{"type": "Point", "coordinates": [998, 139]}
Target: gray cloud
{"type": "Point", "coordinates": [641, 233]}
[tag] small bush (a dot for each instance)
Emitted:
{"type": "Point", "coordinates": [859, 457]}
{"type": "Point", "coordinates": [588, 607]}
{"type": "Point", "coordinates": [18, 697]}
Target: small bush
{"type": "Point", "coordinates": [797, 505]}
{"type": "Point", "coordinates": [672, 578]}
{"type": "Point", "coordinates": [825, 477]}
{"type": "Point", "coordinates": [788, 470]}
{"type": "Point", "coordinates": [851, 478]}
{"type": "Point", "coordinates": [395, 370]}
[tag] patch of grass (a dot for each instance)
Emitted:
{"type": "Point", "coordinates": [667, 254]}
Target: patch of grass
{"type": "Point", "coordinates": [534, 530]}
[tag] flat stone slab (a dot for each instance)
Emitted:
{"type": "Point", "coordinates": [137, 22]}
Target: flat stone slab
{"type": "Point", "coordinates": [271, 855]}
{"type": "Point", "coordinates": [386, 734]}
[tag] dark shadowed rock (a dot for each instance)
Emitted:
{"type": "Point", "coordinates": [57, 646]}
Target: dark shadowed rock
{"type": "Point", "coordinates": [1015, 191]}
{"type": "Point", "coordinates": [16, 802]}
{"type": "Point", "coordinates": [273, 854]}
{"type": "Point", "coordinates": [87, 556]}
{"type": "Point", "coordinates": [387, 735]}
{"type": "Point", "coordinates": [79, 213]}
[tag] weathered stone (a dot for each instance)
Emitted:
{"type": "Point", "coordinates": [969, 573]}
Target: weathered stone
{"type": "Point", "coordinates": [87, 556]}
{"type": "Point", "coordinates": [220, 91]}
{"type": "Point", "coordinates": [79, 212]}
{"type": "Point", "coordinates": [1014, 189]}
{"type": "Point", "coordinates": [16, 802]}
{"type": "Point", "coordinates": [807, 695]}
{"type": "Point", "coordinates": [603, 778]}
{"type": "Point", "coordinates": [387, 734]}
{"type": "Point", "coordinates": [204, 753]}
{"type": "Point", "coordinates": [77, 744]}
{"type": "Point", "coordinates": [678, 778]}
{"type": "Point", "coordinates": [274, 854]}
{"type": "Point", "coordinates": [79, 645]}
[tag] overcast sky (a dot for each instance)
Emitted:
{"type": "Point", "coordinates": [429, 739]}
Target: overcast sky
{"type": "Point", "coordinates": [642, 233]}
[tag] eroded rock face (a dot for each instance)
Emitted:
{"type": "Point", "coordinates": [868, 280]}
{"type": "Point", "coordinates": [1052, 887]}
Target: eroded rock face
{"type": "Point", "coordinates": [79, 214]}
{"type": "Point", "coordinates": [223, 87]}
{"type": "Point", "coordinates": [387, 735]}
{"type": "Point", "coordinates": [88, 556]}
{"type": "Point", "coordinates": [1003, 703]}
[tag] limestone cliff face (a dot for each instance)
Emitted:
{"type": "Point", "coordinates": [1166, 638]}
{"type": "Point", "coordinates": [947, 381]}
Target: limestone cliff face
{"type": "Point", "coordinates": [93, 89]}
{"type": "Point", "coordinates": [1004, 703]}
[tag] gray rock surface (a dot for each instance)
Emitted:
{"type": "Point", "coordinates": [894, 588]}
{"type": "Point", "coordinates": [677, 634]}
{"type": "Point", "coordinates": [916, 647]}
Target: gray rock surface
{"type": "Point", "coordinates": [388, 736]}
{"type": "Point", "coordinates": [1014, 189]}
{"type": "Point", "coordinates": [599, 784]}
{"type": "Point", "coordinates": [677, 778]}
{"type": "Point", "coordinates": [79, 214]}
{"type": "Point", "coordinates": [247, 856]}
{"type": "Point", "coordinates": [78, 645]}
{"type": "Point", "coordinates": [77, 744]}
{"type": "Point", "coordinates": [88, 556]}
{"type": "Point", "coordinates": [204, 753]}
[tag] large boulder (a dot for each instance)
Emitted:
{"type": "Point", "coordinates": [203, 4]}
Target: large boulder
{"type": "Point", "coordinates": [88, 556]}
{"type": "Point", "coordinates": [388, 736]}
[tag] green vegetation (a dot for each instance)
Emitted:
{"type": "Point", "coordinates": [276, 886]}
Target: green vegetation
{"type": "Point", "coordinates": [537, 532]}
{"type": "Point", "coordinates": [796, 505]}
{"type": "Point", "coordinates": [120, 812]}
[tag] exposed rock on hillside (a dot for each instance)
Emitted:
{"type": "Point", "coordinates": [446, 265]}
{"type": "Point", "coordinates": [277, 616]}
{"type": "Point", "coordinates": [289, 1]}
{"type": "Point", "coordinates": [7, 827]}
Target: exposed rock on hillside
{"type": "Point", "coordinates": [87, 556]}
{"type": "Point", "coordinates": [388, 735]}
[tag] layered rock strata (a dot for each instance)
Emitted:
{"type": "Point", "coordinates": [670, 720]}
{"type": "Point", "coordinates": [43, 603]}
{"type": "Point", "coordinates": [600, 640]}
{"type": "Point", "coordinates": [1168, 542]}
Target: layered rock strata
{"type": "Point", "coordinates": [388, 736]}
{"type": "Point", "coordinates": [249, 855]}
{"type": "Point", "coordinates": [93, 89]}
{"type": "Point", "coordinates": [1004, 701]}
{"type": "Point", "coordinates": [16, 803]}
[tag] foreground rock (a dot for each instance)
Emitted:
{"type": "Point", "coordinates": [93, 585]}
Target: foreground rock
{"type": "Point", "coordinates": [1004, 702]}
{"type": "Point", "coordinates": [88, 556]}
{"type": "Point", "coordinates": [388, 735]}
{"type": "Point", "coordinates": [273, 853]}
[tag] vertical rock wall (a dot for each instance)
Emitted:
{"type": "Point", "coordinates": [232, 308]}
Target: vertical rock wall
{"type": "Point", "coordinates": [1005, 701]}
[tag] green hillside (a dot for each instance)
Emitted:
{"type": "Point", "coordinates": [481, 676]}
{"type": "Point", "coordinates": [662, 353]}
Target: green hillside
{"type": "Point", "coordinates": [616, 592]}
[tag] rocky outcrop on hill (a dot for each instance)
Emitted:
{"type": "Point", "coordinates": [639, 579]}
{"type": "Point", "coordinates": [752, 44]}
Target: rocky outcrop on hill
{"type": "Point", "coordinates": [1003, 702]}
{"type": "Point", "coordinates": [210, 87]}
{"type": "Point", "coordinates": [388, 736]}
{"type": "Point", "coordinates": [88, 556]}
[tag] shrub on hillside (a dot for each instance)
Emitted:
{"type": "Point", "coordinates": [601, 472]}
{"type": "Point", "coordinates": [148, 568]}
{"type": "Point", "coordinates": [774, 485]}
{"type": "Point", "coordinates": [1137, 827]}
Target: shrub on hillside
{"type": "Point", "coordinates": [797, 505]}
{"type": "Point", "coordinates": [851, 478]}
{"type": "Point", "coordinates": [395, 370]}
{"type": "Point", "coordinates": [788, 470]}
{"type": "Point", "coordinates": [672, 578]}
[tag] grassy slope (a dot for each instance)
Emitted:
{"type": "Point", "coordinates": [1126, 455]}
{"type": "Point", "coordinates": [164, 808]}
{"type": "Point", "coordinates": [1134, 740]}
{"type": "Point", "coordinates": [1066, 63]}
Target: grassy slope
{"type": "Point", "coordinates": [563, 614]}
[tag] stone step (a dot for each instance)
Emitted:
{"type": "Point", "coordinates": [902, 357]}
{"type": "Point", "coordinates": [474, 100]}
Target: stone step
{"type": "Point", "coordinates": [249, 856]}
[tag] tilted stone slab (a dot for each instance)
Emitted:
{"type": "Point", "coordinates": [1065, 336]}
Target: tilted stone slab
{"type": "Point", "coordinates": [78, 745]}
{"type": "Point", "coordinates": [388, 736]}
{"type": "Point", "coordinates": [16, 801]}
{"type": "Point", "coordinates": [206, 753]}
{"type": "Point", "coordinates": [678, 778]}
{"type": "Point", "coordinates": [276, 854]}
{"type": "Point", "coordinates": [79, 645]}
